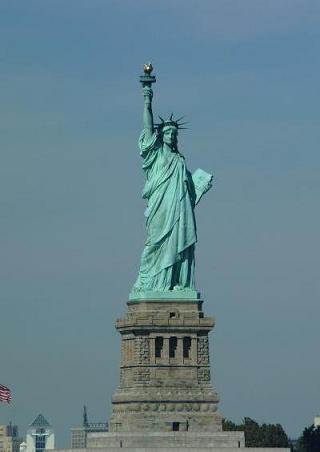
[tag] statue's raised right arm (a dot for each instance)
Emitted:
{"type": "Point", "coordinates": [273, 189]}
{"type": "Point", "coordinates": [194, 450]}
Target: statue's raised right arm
{"type": "Point", "coordinates": [147, 112]}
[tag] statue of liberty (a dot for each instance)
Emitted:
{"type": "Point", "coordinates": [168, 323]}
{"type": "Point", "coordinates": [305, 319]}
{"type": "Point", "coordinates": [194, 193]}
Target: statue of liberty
{"type": "Point", "coordinates": [167, 262]}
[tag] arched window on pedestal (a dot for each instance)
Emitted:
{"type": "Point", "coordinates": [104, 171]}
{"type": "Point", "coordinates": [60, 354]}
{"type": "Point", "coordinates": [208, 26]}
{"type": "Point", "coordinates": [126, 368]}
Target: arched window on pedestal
{"type": "Point", "coordinates": [173, 342]}
{"type": "Point", "coordinates": [158, 347]}
{"type": "Point", "coordinates": [186, 347]}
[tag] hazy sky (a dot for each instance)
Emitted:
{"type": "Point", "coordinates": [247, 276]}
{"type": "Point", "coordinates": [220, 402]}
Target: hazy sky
{"type": "Point", "coordinates": [246, 75]}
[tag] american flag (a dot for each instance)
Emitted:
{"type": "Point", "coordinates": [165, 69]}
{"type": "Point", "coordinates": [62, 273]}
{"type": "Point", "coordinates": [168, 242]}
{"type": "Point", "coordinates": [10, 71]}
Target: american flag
{"type": "Point", "coordinates": [5, 394]}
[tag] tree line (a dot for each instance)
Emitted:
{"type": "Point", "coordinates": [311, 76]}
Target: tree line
{"type": "Point", "coordinates": [273, 435]}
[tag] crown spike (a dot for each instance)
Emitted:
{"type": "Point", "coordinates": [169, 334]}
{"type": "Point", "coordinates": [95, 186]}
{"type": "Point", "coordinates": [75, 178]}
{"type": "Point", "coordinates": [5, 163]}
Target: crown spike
{"type": "Point", "coordinates": [171, 122]}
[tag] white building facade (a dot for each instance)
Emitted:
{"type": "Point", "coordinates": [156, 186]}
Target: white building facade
{"type": "Point", "coordinates": [40, 435]}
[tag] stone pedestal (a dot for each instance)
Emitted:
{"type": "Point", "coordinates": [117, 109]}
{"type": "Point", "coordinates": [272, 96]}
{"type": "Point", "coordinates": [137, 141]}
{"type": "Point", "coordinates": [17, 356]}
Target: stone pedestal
{"type": "Point", "coordinates": [165, 401]}
{"type": "Point", "coordinates": [167, 440]}
{"type": "Point", "coordinates": [164, 374]}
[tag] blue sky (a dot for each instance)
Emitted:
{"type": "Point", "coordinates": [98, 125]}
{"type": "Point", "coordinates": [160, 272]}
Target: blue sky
{"type": "Point", "coordinates": [245, 75]}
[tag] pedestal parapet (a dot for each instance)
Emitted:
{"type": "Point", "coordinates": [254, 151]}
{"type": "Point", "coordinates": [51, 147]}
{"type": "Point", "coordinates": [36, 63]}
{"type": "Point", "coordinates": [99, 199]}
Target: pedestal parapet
{"type": "Point", "coordinates": [165, 374]}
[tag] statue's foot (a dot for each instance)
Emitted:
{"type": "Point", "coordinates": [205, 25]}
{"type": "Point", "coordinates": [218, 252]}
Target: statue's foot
{"type": "Point", "coordinates": [179, 288]}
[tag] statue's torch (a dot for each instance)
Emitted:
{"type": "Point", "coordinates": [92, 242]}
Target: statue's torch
{"type": "Point", "coordinates": [147, 79]}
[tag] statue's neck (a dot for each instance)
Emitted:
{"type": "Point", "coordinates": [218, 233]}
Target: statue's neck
{"type": "Point", "coordinates": [169, 148]}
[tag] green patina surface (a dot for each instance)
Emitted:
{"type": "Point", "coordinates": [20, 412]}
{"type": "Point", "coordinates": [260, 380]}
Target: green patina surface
{"type": "Point", "coordinates": [175, 295]}
{"type": "Point", "coordinates": [167, 263]}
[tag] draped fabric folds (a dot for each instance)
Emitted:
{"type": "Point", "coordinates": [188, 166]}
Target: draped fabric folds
{"type": "Point", "coordinates": [167, 260]}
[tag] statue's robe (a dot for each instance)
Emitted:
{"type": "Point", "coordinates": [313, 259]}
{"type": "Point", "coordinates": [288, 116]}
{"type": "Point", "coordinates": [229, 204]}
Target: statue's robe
{"type": "Point", "coordinates": [167, 260]}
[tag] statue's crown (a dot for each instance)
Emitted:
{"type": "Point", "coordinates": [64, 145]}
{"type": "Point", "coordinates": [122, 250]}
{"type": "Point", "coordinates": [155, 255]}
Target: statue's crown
{"type": "Point", "coordinates": [170, 122]}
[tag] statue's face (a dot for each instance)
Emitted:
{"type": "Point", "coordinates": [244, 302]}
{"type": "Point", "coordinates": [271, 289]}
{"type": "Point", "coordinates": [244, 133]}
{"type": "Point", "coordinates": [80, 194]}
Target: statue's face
{"type": "Point", "coordinates": [170, 136]}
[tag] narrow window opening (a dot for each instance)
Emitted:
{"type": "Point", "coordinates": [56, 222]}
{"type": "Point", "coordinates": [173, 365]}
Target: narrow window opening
{"type": "Point", "coordinates": [40, 440]}
{"type": "Point", "coordinates": [175, 426]}
{"type": "Point", "coordinates": [172, 315]}
{"type": "Point", "coordinates": [186, 347]}
{"type": "Point", "coordinates": [158, 346]}
{"type": "Point", "coordinates": [172, 347]}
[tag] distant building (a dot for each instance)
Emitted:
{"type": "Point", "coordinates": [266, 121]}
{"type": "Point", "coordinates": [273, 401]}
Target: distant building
{"type": "Point", "coordinates": [40, 435]}
{"type": "Point", "coordinates": [79, 434]}
{"type": "Point", "coordinates": [9, 438]}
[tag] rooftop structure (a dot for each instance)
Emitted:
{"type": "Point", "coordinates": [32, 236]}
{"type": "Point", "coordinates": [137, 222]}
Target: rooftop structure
{"type": "Point", "coordinates": [9, 438]}
{"type": "Point", "coordinates": [40, 435]}
{"type": "Point", "coordinates": [79, 434]}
